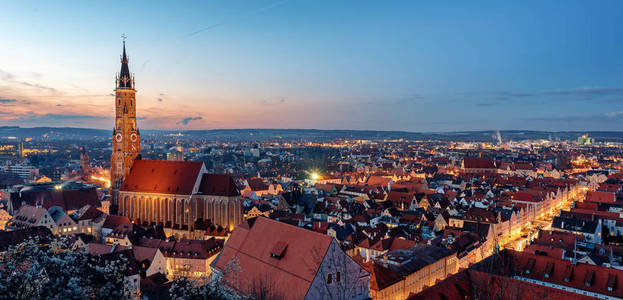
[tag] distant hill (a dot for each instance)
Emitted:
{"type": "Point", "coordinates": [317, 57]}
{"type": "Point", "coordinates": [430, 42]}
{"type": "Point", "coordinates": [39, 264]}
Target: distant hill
{"type": "Point", "coordinates": [69, 133]}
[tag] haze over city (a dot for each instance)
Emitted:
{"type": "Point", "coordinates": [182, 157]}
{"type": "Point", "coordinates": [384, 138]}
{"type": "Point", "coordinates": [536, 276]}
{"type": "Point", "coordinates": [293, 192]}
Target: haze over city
{"type": "Point", "coordinates": [400, 65]}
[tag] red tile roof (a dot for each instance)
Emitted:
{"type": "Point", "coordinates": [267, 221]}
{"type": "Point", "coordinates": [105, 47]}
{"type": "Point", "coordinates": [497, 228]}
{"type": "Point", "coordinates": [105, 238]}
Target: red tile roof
{"type": "Point", "coordinates": [601, 197]}
{"type": "Point", "coordinates": [472, 285]}
{"type": "Point", "coordinates": [218, 185]}
{"type": "Point", "coordinates": [478, 163]}
{"type": "Point", "coordinates": [380, 277]}
{"type": "Point", "coordinates": [580, 276]}
{"type": "Point", "coordinates": [10, 238]}
{"type": "Point", "coordinates": [377, 181]}
{"type": "Point", "coordinates": [609, 187]}
{"type": "Point", "coordinates": [66, 199]}
{"type": "Point", "coordinates": [257, 184]}
{"type": "Point", "coordinates": [526, 197]}
{"type": "Point", "coordinates": [162, 176]}
{"type": "Point", "coordinates": [545, 250]}
{"type": "Point", "coordinates": [290, 274]}
{"type": "Point", "coordinates": [113, 222]}
{"type": "Point", "coordinates": [194, 249]}
{"type": "Point", "coordinates": [87, 212]}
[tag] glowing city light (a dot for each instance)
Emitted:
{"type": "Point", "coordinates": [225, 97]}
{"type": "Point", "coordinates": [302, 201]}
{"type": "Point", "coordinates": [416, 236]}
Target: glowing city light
{"type": "Point", "coordinates": [104, 180]}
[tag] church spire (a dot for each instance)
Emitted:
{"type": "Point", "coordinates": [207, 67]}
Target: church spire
{"type": "Point", "coordinates": [125, 78]}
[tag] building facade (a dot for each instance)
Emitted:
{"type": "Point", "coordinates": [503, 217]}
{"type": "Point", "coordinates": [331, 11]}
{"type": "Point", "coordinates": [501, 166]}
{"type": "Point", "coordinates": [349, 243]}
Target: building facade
{"type": "Point", "coordinates": [178, 195]}
{"type": "Point", "coordinates": [126, 138]}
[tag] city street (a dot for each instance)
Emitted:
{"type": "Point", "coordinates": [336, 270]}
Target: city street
{"type": "Point", "coordinates": [544, 222]}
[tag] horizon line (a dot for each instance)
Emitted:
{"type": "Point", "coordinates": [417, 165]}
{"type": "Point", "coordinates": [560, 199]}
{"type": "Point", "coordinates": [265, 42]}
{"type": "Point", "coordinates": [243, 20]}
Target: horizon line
{"type": "Point", "coordinates": [317, 129]}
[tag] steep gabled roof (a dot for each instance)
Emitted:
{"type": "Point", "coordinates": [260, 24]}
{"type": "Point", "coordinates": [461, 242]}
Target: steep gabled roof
{"type": "Point", "coordinates": [380, 277]}
{"type": "Point", "coordinates": [67, 199]}
{"type": "Point", "coordinates": [218, 185]}
{"type": "Point", "coordinates": [113, 222]}
{"type": "Point", "coordinates": [163, 176]}
{"type": "Point", "coordinates": [468, 284]}
{"type": "Point", "coordinates": [600, 197]}
{"type": "Point", "coordinates": [587, 277]}
{"type": "Point", "coordinates": [478, 163]}
{"type": "Point", "coordinates": [271, 252]}
{"type": "Point", "coordinates": [257, 184]}
{"type": "Point", "coordinates": [87, 212]}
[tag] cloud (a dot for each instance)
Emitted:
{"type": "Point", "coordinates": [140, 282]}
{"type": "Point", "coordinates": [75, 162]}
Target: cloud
{"type": "Point", "coordinates": [11, 78]}
{"type": "Point", "coordinates": [53, 119]}
{"type": "Point", "coordinates": [608, 117]}
{"type": "Point", "coordinates": [276, 102]}
{"type": "Point", "coordinates": [71, 116]}
{"type": "Point", "coordinates": [415, 98]}
{"type": "Point", "coordinates": [587, 91]}
{"type": "Point", "coordinates": [160, 99]}
{"type": "Point", "coordinates": [614, 114]}
{"type": "Point", "coordinates": [5, 102]}
{"type": "Point", "coordinates": [187, 120]}
{"type": "Point", "coordinates": [571, 94]}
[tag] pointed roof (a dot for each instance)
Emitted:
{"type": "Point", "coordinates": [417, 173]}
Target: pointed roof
{"type": "Point", "coordinates": [218, 185]}
{"type": "Point", "coordinates": [285, 255]}
{"type": "Point", "coordinates": [163, 176]}
{"type": "Point", "coordinates": [125, 79]}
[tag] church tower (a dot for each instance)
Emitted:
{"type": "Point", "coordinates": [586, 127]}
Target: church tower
{"type": "Point", "coordinates": [126, 139]}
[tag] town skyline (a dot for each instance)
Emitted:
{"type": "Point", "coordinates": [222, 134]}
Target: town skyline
{"type": "Point", "coordinates": [336, 67]}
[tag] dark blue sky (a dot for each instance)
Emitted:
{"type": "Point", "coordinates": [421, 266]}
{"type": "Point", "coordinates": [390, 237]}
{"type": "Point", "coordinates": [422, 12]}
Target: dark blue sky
{"type": "Point", "coordinates": [388, 65]}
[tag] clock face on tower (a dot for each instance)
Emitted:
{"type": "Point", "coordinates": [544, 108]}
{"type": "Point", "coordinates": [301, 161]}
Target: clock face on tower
{"type": "Point", "coordinates": [118, 137]}
{"type": "Point", "coordinates": [133, 137]}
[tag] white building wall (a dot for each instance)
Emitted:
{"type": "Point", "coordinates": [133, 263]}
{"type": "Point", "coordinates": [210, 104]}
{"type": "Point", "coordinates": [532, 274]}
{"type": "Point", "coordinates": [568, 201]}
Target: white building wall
{"type": "Point", "coordinates": [354, 282]}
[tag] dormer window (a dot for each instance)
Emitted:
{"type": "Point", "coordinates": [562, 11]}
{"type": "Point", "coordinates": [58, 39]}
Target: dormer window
{"type": "Point", "coordinates": [612, 278]}
{"type": "Point", "coordinates": [548, 269]}
{"type": "Point", "coordinates": [568, 274]}
{"type": "Point", "coordinates": [278, 250]}
{"type": "Point", "coordinates": [588, 280]}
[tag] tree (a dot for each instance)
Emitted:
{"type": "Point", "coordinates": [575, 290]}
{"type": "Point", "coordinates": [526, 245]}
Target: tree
{"type": "Point", "coordinates": [204, 288]}
{"type": "Point", "coordinates": [37, 270]}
